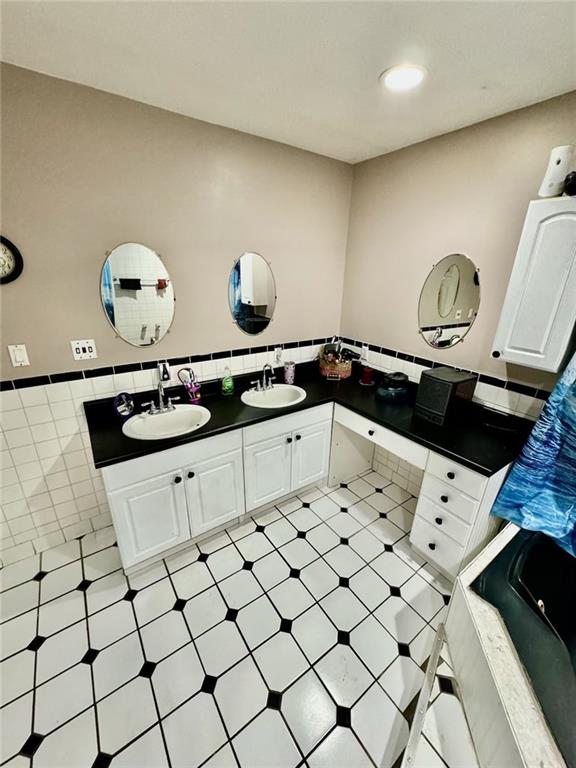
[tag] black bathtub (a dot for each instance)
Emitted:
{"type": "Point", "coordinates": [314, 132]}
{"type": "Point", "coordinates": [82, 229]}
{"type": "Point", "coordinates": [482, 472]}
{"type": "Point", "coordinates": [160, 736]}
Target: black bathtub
{"type": "Point", "coordinates": [532, 583]}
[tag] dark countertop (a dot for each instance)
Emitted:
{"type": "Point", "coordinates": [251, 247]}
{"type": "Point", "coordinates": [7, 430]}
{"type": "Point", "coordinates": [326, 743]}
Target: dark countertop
{"type": "Point", "coordinates": [480, 439]}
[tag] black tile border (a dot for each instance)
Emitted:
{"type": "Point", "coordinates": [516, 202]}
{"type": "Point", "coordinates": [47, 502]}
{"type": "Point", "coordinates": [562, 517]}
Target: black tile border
{"type": "Point", "coordinates": [147, 365]}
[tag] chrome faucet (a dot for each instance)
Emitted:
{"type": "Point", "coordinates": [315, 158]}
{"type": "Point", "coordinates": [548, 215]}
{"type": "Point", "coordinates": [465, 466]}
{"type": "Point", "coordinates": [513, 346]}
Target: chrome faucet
{"type": "Point", "coordinates": [165, 404]}
{"type": "Point", "coordinates": [267, 379]}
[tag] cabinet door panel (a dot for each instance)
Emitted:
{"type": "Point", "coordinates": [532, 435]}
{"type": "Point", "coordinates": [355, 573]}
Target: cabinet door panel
{"type": "Point", "coordinates": [150, 517]}
{"type": "Point", "coordinates": [539, 311]}
{"type": "Point", "coordinates": [311, 453]}
{"type": "Point", "coordinates": [267, 467]}
{"type": "Point", "coordinates": [215, 493]}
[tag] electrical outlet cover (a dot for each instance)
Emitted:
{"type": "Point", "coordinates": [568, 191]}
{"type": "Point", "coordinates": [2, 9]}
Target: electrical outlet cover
{"type": "Point", "coordinates": [84, 349]}
{"type": "Point", "coordinates": [18, 355]}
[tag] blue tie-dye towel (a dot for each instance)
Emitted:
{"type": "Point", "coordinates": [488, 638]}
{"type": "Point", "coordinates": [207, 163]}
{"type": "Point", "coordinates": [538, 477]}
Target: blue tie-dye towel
{"type": "Point", "coordinates": [540, 491]}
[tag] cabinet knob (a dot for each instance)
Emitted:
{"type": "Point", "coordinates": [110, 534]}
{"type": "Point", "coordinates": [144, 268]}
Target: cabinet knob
{"type": "Point", "coordinates": [450, 475]}
{"type": "Point", "coordinates": [370, 432]}
{"type": "Point", "coordinates": [496, 353]}
{"type": "Point", "coordinates": [191, 475]}
{"type": "Point", "coordinates": [432, 546]}
{"type": "Point", "coordinates": [177, 479]}
{"type": "Point", "coordinates": [298, 437]}
{"type": "Point", "coordinates": [444, 498]}
{"type": "Point", "coordinates": [288, 439]}
{"type": "Point", "coordinates": [438, 521]}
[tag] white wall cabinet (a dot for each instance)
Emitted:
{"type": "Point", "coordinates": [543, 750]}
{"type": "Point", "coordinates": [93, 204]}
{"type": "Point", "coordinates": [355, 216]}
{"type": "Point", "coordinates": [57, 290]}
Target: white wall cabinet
{"type": "Point", "coordinates": [150, 517]}
{"type": "Point", "coordinates": [539, 312]}
{"type": "Point", "coordinates": [287, 453]}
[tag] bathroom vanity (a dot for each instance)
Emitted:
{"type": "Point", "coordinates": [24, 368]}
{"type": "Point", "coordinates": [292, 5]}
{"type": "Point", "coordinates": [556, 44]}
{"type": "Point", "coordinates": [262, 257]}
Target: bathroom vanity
{"type": "Point", "coordinates": [165, 493]}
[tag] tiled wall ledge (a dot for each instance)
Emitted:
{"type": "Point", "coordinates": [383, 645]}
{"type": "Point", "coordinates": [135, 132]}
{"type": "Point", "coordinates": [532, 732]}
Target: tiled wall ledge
{"type": "Point", "coordinates": [49, 488]}
{"type": "Point", "coordinates": [500, 394]}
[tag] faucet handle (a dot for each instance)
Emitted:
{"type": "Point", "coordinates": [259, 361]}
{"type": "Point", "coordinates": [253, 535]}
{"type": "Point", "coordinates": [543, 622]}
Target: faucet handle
{"type": "Point", "coordinates": [256, 384]}
{"type": "Point", "coordinates": [172, 400]}
{"type": "Point", "coordinates": [152, 405]}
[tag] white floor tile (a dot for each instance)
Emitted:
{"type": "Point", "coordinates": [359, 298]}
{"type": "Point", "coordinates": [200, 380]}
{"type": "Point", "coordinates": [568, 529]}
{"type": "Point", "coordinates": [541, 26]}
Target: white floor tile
{"type": "Point", "coordinates": [344, 675]}
{"type": "Point", "coordinates": [267, 516]}
{"type": "Point", "coordinates": [340, 749]}
{"type": "Point", "coordinates": [426, 756]}
{"type": "Point", "coordinates": [194, 731]}
{"type": "Point", "coordinates": [164, 635]}
{"type": "Point", "coordinates": [303, 519]}
{"type": "Point", "coordinates": [254, 546]}
{"type": "Point", "coordinates": [123, 715]}
{"type": "Point", "coordinates": [405, 552]}
{"type": "Point", "coordinates": [266, 742]}
{"type": "Point", "coordinates": [298, 553]}
{"type": "Point", "coordinates": [245, 528]}
{"type": "Point", "coordinates": [106, 591]}
{"type": "Point", "coordinates": [361, 488]}
{"type": "Point", "coordinates": [240, 694]}
{"type": "Point", "coordinates": [221, 647]}
{"type": "Point", "coordinates": [18, 600]}
{"type": "Point", "coordinates": [344, 608]}
{"type": "Point", "coordinates": [70, 746]}
{"type": "Point", "coordinates": [290, 598]}
{"type": "Point", "coordinates": [378, 481]}
{"type": "Point", "coordinates": [61, 612]}
{"type": "Point", "coordinates": [146, 752]}
{"type": "Point", "coordinates": [319, 578]}
{"type": "Point", "coordinates": [392, 569]}
{"type": "Point", "coordinates": [94, 542]}
{"type": "Point", "coordinates": [280, 532]}
{"type": "Point", "coordinates": [270, 570]}
{"type": "Point", "coordinates": [153, 601]}
{"type": "Point", "coordinates": [101, 563]}
{"type": "Point", "coordinates": [369, 588]}
{"type": "Point", "coordinates": [363, 512]}
{"type": "Point", "coordinates": [344, 560]}
{"type": "Point", "coordinates": [117, 664]}
{"type": "Point", "coordinates": [16, 676]}
{"type": "Point", "coordinates": [422, 597]}
{"type": "Point", "coordinates": [402, 518]}
{"type": "Point", "coordinates": [325, 507]}
{"type": "Point", "coordinates": [366, 544]}
{"type": "Point", "coordinates": [386, 531]}
{"type": "Point", "coordinates": [309, 710]}
{"type": "Point", "coordinates": [60, 581]}
{"type": "Point", "coordinates": [258, 621]}
{"type": "Point", "coordinates": [439, 582]}
{"type": "Point", "coordinates": [396, 493]}
{"type": "Point", "coordinates": [62, 698]}
{"type": "Point", "coordinates": [289, 505]}
{"type": "Point", "coordinates": [17, 633]}
{"type": "Point", "coordinates": [380, 727]}
{"type": "Point", "coordinates": [310, 496]}
{"type": "Point", "coordinates": [342, 497]}
{"type": "Point", "coordinates": [280, 661]}
{"type": "Point", "coordinates": [399, 619]}
{"type": "Point", "coordinates": [344, 525]}
{"type": "Point", "coordinates": [191, 579]}
{"type": "Point", "coordinates": [446, 728]}
{"type": "Point", "coordinates": [224, 758]}
{"type": "Point", "coordinates": [205, 611]}
{"type": "Point", "coordinates": [402, 681]}
{"type": "Point", "coordinates": [183, 558]}
{"type": "Point", "coordinates": [240, 589]}
{"type": "Point", "coordinates": [18, 573]}
{"type": "Point", "coordinates": [322, 538]}
{"type": "Point", "coordinates": [314, 633]}
{"type": "Point", "coordinates": [177, 678]}
{"type": "Point", "coordinates": [61, 555]}
{"type": "Point", "coordinates": [149, 575]}
{"type": "Point", "coordinates": [111, 624]}
{"type": "Point", "coordinates": [421, 645]}
{"type": "Point", "coordinates": [214, 543]}
{"type": "Point", "coordinates": [375, 646]}
{"type": "Point", "coordinates": [61, 651]}
{"type": "Point", "coordinates": [381, 503]}
{"type": "Point", "coordinates": [15, 726]}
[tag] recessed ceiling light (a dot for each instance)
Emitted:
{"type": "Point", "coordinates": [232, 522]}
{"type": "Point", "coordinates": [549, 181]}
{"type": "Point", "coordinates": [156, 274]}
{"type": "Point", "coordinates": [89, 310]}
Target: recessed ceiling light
{"type": "Point", "coordinates": [403, 77]}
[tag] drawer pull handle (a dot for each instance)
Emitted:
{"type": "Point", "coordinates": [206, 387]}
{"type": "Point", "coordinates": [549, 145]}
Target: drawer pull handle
{"type": "Point", "coordinates": [298, 437]}
{"type": "Point", "coordinates": [177, 479]}
{"type": "Point", "coordinates": [371, 432]}
{"type": "Point", "coordinates": [444, 498]}
{"type": "Point", "coordinates": [438, 521]}
{"type": "Point", "coordinates": [432, 546]}
{"type": "Point", "coordinates": [450, 475]}
{"type": "Point", "coordinates": [288, 439]}
{"type": "Point", "coordinates": [190, 475]}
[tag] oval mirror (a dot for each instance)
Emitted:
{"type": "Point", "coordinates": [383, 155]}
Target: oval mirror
{"type": "Point", "coordinates": [137, 294]}
{"type": "Point", "coordinates": [449, 301]}
{"type": "Point", "coordinates": [251, 293]}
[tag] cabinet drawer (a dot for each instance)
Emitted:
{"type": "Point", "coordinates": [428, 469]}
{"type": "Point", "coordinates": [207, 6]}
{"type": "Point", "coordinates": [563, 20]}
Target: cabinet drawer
{"type": "Point", "coordinates": [400, 446]}
{"type": "Point", "coordinates": [443, 520]}
{"type": "Point", "coordinates": [284, 424]}
{"type": "Point", "coordinates": [436, 547]}
{"type": "Point", "coordinates": [449, 497]}
{"type": "Point", "coordinates": [453, 474]}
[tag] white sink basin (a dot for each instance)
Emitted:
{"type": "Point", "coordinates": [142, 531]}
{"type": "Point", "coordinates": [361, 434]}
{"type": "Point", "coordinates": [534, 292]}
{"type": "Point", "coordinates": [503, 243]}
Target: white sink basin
{"type": "Point", "coordinates": [180, 421]}
{"type": "Point", "coordinates": [279, 396]}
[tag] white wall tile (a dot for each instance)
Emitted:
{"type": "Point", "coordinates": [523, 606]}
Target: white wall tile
{"type": "Point", "coordinates": [33, 396]}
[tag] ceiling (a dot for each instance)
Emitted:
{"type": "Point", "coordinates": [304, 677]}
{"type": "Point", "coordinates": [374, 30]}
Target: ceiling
{"type": "Point", "coordinates": [306, 73]}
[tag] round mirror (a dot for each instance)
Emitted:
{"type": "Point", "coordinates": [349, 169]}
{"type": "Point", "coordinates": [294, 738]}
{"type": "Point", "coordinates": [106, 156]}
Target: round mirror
{"type": "Point", "coordinates": [449, 301]}
{"type": "Point", "coordinates": [251, 293]}
{"type": "Point", "coordinates": [137, 294]}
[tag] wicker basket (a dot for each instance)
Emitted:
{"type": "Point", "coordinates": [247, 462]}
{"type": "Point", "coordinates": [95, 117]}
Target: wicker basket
{"type": "Point", "coordinates": [334, 369]}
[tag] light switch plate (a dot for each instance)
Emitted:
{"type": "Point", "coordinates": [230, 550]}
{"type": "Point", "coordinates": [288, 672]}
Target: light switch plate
{"type": "Point", "coordinates": [18, 355]}
{"type": "Point", "coordinates": [84, 349]}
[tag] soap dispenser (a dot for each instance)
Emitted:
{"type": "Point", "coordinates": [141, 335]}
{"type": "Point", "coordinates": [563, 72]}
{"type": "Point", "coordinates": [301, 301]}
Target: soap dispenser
{"type": "Point", "coordinates": [227, 383]}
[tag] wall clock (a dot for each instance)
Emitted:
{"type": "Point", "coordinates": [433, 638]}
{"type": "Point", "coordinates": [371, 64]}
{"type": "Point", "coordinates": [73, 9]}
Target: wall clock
{"type": "Point", "coordinates": [11, 261]}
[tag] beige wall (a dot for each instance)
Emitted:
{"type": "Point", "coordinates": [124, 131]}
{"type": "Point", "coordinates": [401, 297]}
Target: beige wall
{"type": "Point", "coordinates": [465, 192]}
{"type": "Point", "coordinates": [84, 170]}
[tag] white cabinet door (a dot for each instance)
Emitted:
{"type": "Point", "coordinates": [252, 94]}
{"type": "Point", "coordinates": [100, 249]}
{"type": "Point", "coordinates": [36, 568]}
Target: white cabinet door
{"type": "Point", "coordinates": [310, 454]}
{"type": "Point", "coordinates": [539, 312]}
{"type": "Point", "coordinates": [215, 491]}
{"type": "Point", "coordinates": [150, 517]}
{"type": "Point", "coordinates": [268, 470]}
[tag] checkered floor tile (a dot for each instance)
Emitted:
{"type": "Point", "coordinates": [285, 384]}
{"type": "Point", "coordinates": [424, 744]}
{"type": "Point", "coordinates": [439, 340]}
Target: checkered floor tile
{"type": "Point", "coordinates": [297, 638]}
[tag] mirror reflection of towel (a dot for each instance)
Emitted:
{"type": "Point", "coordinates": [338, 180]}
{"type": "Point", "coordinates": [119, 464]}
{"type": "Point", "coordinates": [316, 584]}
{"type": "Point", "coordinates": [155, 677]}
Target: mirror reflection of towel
{"type": "Point", "coordinates": [130, 283]}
